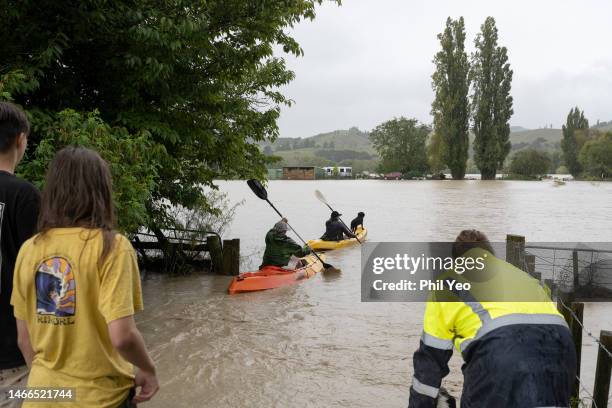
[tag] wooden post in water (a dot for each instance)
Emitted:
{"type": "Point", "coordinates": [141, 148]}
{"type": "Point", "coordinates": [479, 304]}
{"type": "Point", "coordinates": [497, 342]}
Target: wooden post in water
{"type": "Point", "coordinates": [515, 250]}
{"type": "Point", "coordinates": [231, 257]}
{"type": "Point", "coordinates": [603, 371]}
{"type": "Point", "coordinates": [576, 329]}
{"type": "Point", "coordinates": [216, 253]}
{"type": "Point", "coordinates": [575, 269]}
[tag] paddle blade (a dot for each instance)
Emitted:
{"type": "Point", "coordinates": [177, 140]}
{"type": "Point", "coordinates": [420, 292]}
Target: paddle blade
{"type": "Point", "coordinates": [258, 189]}
{"type": "Point", "coordinates": [330, 269]}
{"type": "Point", "coordinates": [320, 196]}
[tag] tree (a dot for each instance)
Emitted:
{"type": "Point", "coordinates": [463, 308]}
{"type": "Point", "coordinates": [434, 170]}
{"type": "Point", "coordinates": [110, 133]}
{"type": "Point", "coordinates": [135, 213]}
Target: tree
{"type": "Point", "coordinates": [196, 80]}
{"type": "Point", "coordinates": [530, 163]}
{"type": "Point", "coordinates": [596, 156]}
{"type": "Point", "coordinates": [491, 101]}
{"type": "Point", "coordinates": [575, 132]}
{"type": "Point", "coordinates": [450, 107]}
{"type": "Point", "coordinates": [400, 144]}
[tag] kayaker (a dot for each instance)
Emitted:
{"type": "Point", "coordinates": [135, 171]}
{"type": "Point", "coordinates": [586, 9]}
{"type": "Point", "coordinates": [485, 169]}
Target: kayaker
{"type": "Point", "coordinates": [357, 221]}
{"type": "Point", "coordinates": [517, 348]}
{"type": "Point", "coordinates": [335, 230]}
{"type": "Point", "coordinates": [280, 247]}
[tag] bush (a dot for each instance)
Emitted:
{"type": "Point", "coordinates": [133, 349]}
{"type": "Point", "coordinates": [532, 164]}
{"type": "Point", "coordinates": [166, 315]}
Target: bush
{"type": "Point", "coordinates": [596, 157]}
{"type": "Point", "coordinates": [530, 163]}
{"type": "Point", "coordinates": [132, 158]}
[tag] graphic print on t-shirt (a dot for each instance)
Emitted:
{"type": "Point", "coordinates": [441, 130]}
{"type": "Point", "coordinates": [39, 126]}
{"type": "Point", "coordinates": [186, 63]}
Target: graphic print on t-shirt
{"type": "Point", "coordinates": [55, 288]}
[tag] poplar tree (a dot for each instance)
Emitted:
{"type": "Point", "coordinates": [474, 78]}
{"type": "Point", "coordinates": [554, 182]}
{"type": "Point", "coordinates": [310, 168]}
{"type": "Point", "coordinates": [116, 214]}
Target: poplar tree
{"type": "Point", "coordinates": [491, 101]}
{"type": "Point", "coordinates": [576, 124]}
{"type": "Point", "coordinates": [450, 108]}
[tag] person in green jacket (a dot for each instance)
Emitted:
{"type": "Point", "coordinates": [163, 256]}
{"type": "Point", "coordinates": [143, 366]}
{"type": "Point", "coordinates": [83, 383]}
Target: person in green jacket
{"type": "Point", "coordinates": [280, 247]}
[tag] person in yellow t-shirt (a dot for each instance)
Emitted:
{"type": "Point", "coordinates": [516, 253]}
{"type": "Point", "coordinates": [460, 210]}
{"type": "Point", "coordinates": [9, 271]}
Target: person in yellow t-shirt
{"type": "Point", "coordinates": [76, 289]}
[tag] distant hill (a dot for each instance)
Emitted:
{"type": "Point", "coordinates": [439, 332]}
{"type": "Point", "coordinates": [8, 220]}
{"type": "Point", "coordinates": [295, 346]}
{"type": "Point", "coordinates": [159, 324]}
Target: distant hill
{"type": "Point", "coordinates": [604, 126]}
{"type": "Point", "coordinates": [352, 147]}
{"type": "Point", "coordinates": [540, 139]}
{"type": "Point", "coordinates": [351, 139]}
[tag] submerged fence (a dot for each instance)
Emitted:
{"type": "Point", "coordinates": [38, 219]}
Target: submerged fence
{"type": "Point", "coordinates": [572, 272]}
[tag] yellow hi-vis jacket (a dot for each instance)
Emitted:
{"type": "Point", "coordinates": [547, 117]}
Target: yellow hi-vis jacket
{"type": "Point", "coordinates": [465, 322]}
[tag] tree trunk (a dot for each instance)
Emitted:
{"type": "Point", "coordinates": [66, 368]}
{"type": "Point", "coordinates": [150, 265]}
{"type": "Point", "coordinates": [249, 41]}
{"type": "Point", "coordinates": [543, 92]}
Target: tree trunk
{"type": "Point", "coordinates": [458, 174]}
{"type": "Point", "coordinates": [487, 174]}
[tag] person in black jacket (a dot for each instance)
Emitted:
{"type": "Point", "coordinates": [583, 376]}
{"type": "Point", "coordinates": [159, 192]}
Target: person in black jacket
{"type": "Point", "coordinates": [19, 204]}
{"type": "Point", "coordinates": [357, 221]}
{"type": "Point", "coordinates": [335, 230]}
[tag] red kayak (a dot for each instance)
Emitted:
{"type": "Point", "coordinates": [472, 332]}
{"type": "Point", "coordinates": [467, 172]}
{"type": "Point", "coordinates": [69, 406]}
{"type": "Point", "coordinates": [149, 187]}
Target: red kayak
{"type": "Point", "coordinates": [270, 277]}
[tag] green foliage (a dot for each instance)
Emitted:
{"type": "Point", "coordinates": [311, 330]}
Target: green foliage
{"type": "Point", "coordinates": [133, 158]}
{"type": "Point", "coordinates": [341, 155]}
{"type": "Point", "coordinates": [491, 101]}
{"type": "Point", "coordinates": [596, 156]}
{"type": "Point", "coordinates": [199, 78]}
{"type": "Point", "coordinates": [575, 132]}
{"type": "Point", "coordinates": [434, 153]}
{"type": "Point", "coordinates": [450, 107]}
{"type": "Point", "coordinates": [401, 145]}
{"type": "Point", "coordinates": [530, 164]}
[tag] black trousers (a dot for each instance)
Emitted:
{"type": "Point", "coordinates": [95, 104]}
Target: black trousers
{"type": "Point", "coordinates": [520, 366]}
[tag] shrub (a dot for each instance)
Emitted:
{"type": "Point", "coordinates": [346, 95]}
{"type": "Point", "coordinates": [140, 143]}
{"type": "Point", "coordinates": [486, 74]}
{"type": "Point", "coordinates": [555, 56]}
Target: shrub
{"type": "Point", "coordinates": [530, 163]}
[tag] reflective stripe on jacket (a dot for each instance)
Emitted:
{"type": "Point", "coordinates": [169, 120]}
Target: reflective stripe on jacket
{"type": "Point", "coordinates": [472, 326]}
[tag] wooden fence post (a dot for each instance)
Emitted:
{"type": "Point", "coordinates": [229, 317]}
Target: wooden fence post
{"type": "Point", "coordinates": [602, 372]}
{"type": "Point", "coordinates": [216, 253]}
{"type": "Point", "coordinates": [575, 270]}
{"type": "Point", "coordinates": [576, 329]}
{"type": "Point", "coordinates": [231, 257]}
{"type": "Point", "coordinates": [515, 250]}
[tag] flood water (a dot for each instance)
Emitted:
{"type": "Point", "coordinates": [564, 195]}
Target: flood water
{"type": "Point", "coordinates": [315, 344]}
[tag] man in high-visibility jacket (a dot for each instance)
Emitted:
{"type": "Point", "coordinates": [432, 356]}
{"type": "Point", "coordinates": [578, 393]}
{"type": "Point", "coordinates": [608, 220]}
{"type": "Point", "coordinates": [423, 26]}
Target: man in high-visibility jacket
{"type": "Point", "coordinates": [517, 348]}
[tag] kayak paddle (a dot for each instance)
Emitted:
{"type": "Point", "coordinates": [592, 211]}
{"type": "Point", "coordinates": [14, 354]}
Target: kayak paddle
{"type": "Point", "coordinates": [260, 191]}
{"type": "Point", "coordinates": [322, 199]}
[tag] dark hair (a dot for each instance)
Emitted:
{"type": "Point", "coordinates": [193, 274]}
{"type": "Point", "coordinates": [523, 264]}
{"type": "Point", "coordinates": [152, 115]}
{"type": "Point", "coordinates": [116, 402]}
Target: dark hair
{"type": "Point", "coordinates": [468, 239]}
{"type": "Point", "coordinates": [78, 193]}
{"type": "Point", "coordinates": [361, 214]}
{"type": "Point", "coordinates": [13, 122]}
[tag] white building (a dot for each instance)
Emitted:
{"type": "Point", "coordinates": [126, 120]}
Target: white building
{"type": "Point", "coordinates": [342, 171]}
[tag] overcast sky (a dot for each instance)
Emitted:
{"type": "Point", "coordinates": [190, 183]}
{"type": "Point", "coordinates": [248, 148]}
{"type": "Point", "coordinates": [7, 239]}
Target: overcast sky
{"type": "Point", "coordinates": [370, 60]}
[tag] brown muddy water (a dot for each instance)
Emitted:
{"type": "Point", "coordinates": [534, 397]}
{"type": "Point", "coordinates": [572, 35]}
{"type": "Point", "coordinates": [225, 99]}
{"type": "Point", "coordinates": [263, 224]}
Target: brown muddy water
{"type": "Point", "coordinates": [315, 344]}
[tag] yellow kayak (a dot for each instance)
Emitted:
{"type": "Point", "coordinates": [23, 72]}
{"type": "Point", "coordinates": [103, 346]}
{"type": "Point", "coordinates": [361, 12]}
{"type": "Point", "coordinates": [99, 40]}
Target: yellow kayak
{"type": "Point", "coordinates": [319, 244]}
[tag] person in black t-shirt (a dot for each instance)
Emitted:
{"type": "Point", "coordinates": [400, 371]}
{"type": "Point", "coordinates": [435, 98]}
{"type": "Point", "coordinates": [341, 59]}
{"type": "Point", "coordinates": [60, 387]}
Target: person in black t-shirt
{"type": "Point", "coordinates": [19, 204]}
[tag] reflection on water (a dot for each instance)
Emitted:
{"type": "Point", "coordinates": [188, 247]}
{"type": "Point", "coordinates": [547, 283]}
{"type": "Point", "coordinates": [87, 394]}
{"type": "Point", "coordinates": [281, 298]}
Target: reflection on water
{"type": "Point", "coordinates": [316, 344]}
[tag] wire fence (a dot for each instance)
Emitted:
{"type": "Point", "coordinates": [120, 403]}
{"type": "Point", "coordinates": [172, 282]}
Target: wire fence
{"type": "Point", "coordinates": [580, 270]}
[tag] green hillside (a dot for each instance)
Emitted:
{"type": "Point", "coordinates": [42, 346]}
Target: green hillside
{"type": "Point", "coordinates": [540, 139]}
{"type": "Point", "coordinates": [352, 147]}
{"type": "Point", "coordinates": [603, 126]}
